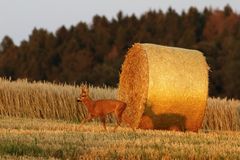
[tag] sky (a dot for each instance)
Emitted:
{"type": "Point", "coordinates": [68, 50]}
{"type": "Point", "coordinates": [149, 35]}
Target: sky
{"type": "Point", "coordinates": [19, 17]}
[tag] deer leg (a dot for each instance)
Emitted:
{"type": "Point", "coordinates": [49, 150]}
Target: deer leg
{"type": "Point", "coordinates": [103, 120]}
{"type": "Point", "coordinates": [116, 127]}
{"type": "Point", "coordinates": [117, 119]}
{"type": "Point", "coordinates": [118, 113]}
{"type": "Point", "coordinates": [118, 123]}
{"type": "Point", "coordinates": [89, 117]}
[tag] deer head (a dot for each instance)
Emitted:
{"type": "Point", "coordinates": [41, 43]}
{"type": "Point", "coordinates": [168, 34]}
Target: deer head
{"type": "Point", "coordinates": [83, 93]}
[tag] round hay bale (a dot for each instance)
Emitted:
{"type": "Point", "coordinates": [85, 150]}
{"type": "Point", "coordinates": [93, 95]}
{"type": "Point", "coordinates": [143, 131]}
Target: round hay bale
{"type": "Point", "coordinates": [164, 87]}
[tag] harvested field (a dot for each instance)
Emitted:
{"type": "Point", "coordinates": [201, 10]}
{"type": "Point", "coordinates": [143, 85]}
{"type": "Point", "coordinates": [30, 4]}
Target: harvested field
{"type": "Point", "coordinates": [50, 139]}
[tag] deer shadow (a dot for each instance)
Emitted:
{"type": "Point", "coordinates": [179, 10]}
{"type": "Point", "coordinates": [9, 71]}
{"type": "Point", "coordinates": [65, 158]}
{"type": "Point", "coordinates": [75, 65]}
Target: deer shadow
{"type": "Point", "coordinates": [164, 121]}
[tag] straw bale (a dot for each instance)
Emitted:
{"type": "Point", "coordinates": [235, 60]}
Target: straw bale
{"type": "Point", "coordinates": [164, 87]}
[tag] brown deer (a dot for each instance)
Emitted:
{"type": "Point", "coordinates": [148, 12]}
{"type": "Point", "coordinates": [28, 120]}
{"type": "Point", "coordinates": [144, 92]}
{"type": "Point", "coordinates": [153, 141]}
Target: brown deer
{"type": "Point", "coordinates": [100, 108]}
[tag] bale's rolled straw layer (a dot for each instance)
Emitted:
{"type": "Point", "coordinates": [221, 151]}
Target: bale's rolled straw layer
{"type": "Point", "coordinates": [134, 74]}
{"type": "Point", "coordinates": [164, 87]}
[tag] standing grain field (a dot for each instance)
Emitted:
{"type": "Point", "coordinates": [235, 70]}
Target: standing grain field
{"type": "Point", "coordinates": [45, 100]}
{"type": "Point", "coordinates": [58, 101]}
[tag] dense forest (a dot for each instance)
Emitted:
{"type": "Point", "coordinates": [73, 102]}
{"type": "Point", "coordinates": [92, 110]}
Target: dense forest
{"type": "Point", "coordinates": [94, 52]}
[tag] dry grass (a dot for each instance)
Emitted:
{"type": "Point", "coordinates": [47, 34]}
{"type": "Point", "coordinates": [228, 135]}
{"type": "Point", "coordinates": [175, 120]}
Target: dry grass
{"type": "Point", "coordinates": [50, 139]}
{"type": "Point", "coordinates": [58, 101]}
{"type": "Point", "coordinates": [222, 114]}
{"type": "Point", "coordinates": [45, 100]}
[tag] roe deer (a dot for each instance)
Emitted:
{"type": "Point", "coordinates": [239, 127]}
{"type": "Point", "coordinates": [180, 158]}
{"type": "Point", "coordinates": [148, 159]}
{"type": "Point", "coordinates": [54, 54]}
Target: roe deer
{"type": "Point", "coordinates": [100, 108]}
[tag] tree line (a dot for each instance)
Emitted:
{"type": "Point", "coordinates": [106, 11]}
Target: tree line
{"type": "Point", "coordinates": [94, 52]}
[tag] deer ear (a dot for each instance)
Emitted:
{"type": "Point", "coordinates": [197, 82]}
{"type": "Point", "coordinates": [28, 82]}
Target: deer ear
{"type": "Point", "coordinates": [86, 89]}
{"type": "Point", "coordinates": [81, 88]}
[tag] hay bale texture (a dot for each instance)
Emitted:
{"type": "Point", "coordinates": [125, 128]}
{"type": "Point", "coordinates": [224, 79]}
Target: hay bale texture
{"type": "Point", "coordinates": [164, 87]}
